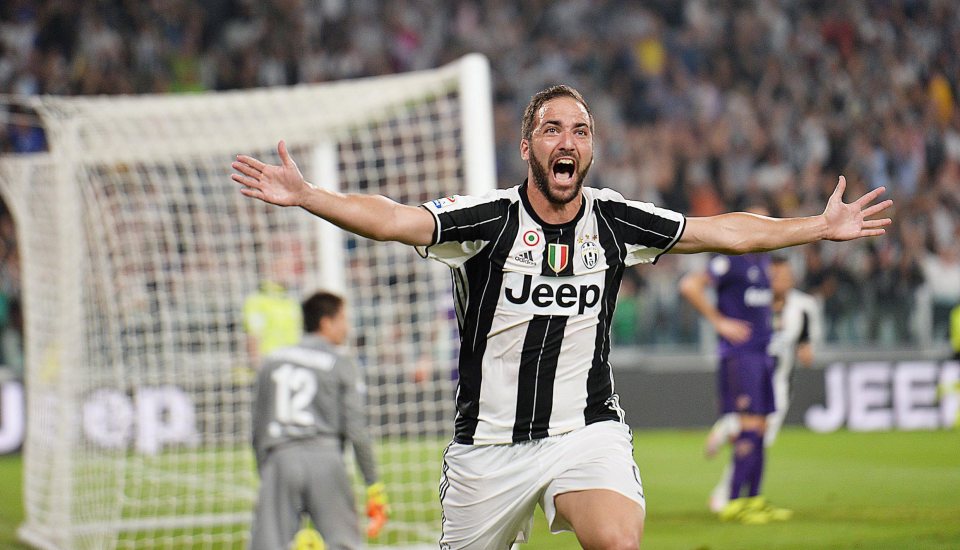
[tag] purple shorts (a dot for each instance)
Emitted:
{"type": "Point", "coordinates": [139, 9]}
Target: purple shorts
{"type": "Point", "coordinates": [745, 382]}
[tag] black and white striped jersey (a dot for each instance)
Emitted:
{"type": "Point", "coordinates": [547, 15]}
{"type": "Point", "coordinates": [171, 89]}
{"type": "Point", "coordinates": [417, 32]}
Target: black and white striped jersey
{"type": "Point", "coordinates": [798, 322]}
{"type": "Point", "coordinates": [534, 303]}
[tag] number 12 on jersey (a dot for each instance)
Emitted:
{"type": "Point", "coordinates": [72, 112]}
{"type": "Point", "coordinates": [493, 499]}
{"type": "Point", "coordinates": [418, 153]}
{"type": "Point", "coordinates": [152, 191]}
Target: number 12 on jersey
{"type": "Point", "coordinates": [295, 389]}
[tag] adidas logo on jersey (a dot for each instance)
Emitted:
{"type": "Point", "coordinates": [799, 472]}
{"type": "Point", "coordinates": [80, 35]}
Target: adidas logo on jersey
{"type": "Point", "coordinates": [525, 258]}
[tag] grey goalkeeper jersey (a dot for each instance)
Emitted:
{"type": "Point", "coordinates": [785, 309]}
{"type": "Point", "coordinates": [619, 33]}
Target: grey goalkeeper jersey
{"type": "Point", "coordinates": [309, 391]}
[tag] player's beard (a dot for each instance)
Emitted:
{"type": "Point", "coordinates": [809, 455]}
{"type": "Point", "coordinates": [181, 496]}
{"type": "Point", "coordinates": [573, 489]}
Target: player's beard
{"type": "Point", "coordinates": [542, 180]}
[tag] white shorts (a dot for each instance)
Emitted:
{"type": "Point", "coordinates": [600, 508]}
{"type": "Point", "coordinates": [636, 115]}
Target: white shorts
{"type": "Point", "coordinates": [489, 492]}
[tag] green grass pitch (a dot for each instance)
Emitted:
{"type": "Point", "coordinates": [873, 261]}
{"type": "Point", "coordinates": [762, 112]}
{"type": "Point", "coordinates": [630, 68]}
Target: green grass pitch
{"type": "Point", "coordinates": [895, 490]}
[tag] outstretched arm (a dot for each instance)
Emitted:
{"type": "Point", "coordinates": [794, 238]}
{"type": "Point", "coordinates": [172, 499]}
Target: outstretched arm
{"type": "Point", "coordinates": [372, 216]}
{"type": "Point", "coordinates": [741, 232]}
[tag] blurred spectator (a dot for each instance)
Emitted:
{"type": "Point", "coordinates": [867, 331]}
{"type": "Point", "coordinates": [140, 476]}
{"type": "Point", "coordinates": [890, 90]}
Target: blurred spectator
{"type": "Point", "coordinates": [11, 320]}
{"type": "Point", "coordinates": [626, 317]}
{"type": "Point", "coordinates": [24, 133]}
{"type": "Point", "coordinates": [894, 275]}
{"type": "Point", "coordinates": [941, 268]}
{"type": "Point", "coordinates": [955, 332]}
{"type": "Point", "coordinates": [832, 283]}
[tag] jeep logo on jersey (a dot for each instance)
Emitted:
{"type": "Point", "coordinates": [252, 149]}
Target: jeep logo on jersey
{"type": "Point", "coordinates": [590, 253]}
{"type": "Point", "coordinates": [558, 256]}
{"type": "Point", "coordinates": [541, 295]}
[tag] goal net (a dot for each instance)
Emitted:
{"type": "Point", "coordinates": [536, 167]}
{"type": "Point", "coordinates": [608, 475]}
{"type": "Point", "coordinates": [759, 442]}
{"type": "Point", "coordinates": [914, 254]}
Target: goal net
{"type": "Point", "coordinates": [138, 253]}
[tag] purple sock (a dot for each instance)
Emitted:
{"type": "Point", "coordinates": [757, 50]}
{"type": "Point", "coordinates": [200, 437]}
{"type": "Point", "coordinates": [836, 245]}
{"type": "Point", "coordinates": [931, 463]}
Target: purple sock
{"type": "Point", "coordinates": [747, 463]}
{"type": "Point", "coordinates": [758, 457]}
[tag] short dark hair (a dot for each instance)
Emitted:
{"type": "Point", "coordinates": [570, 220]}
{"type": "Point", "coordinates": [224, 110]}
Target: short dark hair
{"type": "Point", "coordinates": [543, 96]}
{"type": "Point", "coordinates": [320, 305]}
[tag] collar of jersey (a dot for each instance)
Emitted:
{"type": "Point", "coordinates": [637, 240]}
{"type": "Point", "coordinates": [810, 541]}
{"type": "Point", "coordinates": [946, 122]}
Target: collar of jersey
{"type": "Point", "coordinates": [529, 208]}
{"type": "Point", "coordinates": [315, 341]}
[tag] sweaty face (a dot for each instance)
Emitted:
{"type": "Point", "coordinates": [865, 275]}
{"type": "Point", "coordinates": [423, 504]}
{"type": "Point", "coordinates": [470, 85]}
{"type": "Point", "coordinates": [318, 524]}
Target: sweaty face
{"type": "Point", "coordinates": [560, 150]}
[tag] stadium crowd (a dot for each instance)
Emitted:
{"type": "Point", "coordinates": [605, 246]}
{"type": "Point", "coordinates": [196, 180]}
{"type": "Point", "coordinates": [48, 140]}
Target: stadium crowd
{"type": "Point", "coordinates": [701, 106]}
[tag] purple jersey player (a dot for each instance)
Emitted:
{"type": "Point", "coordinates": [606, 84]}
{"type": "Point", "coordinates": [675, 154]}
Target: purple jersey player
{"type": "Point", "coordinates": [742, 317]}
{"type": "Point", "coordinates": [746, 371]}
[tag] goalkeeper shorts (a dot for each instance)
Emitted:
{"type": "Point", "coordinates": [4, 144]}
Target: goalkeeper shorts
{"type": "Point", "coordinates": [489, 492]}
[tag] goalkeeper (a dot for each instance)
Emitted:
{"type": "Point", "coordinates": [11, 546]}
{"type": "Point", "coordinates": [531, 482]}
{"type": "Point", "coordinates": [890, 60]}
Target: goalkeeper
{"type": "Point", "coordinates": [308, 404]}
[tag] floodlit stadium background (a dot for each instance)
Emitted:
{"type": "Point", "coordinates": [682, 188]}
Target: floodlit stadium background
{"type": "Point", "coordinates": [701, 106]}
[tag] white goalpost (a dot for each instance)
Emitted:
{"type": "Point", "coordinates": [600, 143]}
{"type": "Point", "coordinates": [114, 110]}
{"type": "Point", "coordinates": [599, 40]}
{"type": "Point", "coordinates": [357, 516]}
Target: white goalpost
{"type": "Point", "coordinates": [137, 253]}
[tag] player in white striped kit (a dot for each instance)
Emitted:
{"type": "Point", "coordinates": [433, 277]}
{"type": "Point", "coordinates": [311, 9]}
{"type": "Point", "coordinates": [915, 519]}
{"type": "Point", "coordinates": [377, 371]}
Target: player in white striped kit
{"type": "Point", "coordinates": [797, 333]}
{"type": "Point", "coordinates": [537, 268]}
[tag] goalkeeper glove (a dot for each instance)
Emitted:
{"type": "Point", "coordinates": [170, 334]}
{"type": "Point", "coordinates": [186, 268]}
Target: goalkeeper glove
{"type": "Point", "coordinates": [376, 509]}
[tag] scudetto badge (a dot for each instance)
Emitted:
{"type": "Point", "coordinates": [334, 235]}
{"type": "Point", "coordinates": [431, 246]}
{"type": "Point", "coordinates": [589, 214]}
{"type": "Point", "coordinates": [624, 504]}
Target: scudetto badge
{"type": "Point", "coordinates": [558, 256]}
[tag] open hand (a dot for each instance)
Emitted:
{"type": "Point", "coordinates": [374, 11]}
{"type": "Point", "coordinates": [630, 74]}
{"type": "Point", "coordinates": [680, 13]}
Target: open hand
{"type": "Point", "coordinates": [281, 185]}
{"type": "Point", "coordinates": [848, 221]}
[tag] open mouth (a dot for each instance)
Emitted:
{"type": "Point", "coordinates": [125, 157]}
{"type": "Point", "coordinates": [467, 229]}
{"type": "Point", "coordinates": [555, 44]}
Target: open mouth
{"type": "Point", "coordinates": [564, 169]}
